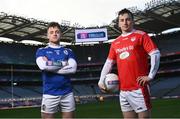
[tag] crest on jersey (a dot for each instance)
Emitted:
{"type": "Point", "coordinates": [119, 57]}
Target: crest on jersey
{"type": "Point", "coordinates": [65, 52]}
{"type": "Point", "coordinates": [124, 55]}
{"type": "Point", "coordinates": [133, 39]}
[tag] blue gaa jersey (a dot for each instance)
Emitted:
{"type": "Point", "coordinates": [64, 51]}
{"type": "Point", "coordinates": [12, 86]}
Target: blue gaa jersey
{"type": "Point", "coordinates": [53, 83]}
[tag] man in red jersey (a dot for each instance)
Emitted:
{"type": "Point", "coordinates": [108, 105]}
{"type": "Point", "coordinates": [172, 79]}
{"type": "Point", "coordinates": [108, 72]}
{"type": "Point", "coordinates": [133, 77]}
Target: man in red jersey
{"type": "Point", "coordinates": [130, 52]}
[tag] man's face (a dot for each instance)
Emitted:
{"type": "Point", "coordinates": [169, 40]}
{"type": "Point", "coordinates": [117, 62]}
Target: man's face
{"type": "Point", "coordinates": [53, 34]}
{"type": "Point", "coordinates": [125, 22]}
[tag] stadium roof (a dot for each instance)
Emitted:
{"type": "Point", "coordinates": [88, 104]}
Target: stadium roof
{"type": "Point", "coordinates": [159, 15]}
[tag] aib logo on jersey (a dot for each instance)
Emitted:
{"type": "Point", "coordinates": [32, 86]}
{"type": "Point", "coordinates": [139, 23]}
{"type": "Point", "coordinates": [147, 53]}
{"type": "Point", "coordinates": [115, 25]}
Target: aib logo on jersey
{"type": "Point", "coordinates": [124, 55]}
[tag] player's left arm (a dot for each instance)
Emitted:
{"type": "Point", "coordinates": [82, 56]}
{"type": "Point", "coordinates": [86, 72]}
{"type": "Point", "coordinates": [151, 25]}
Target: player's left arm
{"type": "Point", "coordinates": [154, 54]}
{"type": "Point", "coordinates": [70, 68]}
{"type": "Point", "coordinates": [110, 61]}
{"type": "Point", "coordinates": [154, 60]}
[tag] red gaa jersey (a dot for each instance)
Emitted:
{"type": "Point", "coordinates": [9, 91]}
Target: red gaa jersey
{"type": "Point", "coordinates": [131, 55]}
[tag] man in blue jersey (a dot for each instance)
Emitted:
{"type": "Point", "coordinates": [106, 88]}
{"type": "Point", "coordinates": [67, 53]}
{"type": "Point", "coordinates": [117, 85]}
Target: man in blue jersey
{"type": "Point", "coordinates": [56, 62]}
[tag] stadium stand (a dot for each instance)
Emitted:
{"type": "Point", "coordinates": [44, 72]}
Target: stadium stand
{"type": "Point", "coordinates": [17, 53]}
{"type": "Point", "coordinates": [168, 43]}
{"type": "Point", "coordinates": [165, 86]}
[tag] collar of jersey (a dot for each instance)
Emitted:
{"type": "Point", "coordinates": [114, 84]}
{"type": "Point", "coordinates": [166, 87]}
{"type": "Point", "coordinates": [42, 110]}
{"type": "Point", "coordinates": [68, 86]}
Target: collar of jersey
{"type": "Point", "coordinates": [54, 46]}
{"type": "Point", "coordinates": [124, 35]}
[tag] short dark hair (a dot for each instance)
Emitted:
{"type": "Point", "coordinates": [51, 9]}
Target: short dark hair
{"type": "Point", "coordinates": [123, 11]}
{"type": "Point", "coordinates": [54, 24]}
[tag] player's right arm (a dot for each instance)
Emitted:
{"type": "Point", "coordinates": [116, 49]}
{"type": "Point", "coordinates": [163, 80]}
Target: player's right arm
{"type": "Point", "coordinates": [110, 61]}
{"type": "Point", "coordinates": [105, 70]}
{"type": "Point", "coordinates": [44, 64]}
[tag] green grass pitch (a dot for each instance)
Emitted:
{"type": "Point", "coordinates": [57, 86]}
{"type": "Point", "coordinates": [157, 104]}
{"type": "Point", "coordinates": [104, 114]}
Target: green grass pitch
{"type": "Point", "coordinates": [162, 108]}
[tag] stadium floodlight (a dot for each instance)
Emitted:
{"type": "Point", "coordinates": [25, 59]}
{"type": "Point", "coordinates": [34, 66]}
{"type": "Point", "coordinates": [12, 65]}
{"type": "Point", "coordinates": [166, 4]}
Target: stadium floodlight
{"type": "Point", "coordinates": [154, 3]}
{"type": "Point", "coordinates": [3, 14]}
{"type": "Point", "coordinates": [133, 9]}
{"type": "Point", "coordinates": [65, 23]}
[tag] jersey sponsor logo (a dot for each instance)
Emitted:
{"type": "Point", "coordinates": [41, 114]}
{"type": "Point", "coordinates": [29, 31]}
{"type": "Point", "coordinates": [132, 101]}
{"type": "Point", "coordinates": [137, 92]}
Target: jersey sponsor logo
{"type": "Point", "coordinates": [124, 55]}
{"type": "Point", "coordinates": [120, 50]}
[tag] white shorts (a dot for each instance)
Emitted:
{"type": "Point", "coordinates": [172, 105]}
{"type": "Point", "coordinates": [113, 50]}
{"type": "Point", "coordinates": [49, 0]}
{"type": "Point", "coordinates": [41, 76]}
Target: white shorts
{"type": "Point", "coordinates": [137, 100]}
{"type": "Point", "coordinates": [53, 104]}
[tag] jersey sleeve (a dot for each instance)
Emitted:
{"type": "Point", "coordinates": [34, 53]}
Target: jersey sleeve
{"type": "Point", "coordinates": [148, 44]}
{"type": "Point", "coordinates": [39, 53]}
{"type": "Point", "coordinates": [71, 54]}
{"type": "Point", "coordinates": [112, 53]}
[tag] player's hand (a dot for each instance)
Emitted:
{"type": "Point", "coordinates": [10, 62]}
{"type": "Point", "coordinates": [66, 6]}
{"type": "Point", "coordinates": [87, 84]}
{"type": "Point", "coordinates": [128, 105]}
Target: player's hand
{"type": "Point", "coordinates": [143, 80]}
{"type": "Point", "coordinates": [102, 88]}
{"type": "Point", "coordinates": [49, 63]}
{"type": "Point", "coordinates": [45, 58]}
{"type": "Point", "coordinates": [64, 63]}
{"type": "Point", "coordinates": [60, 64]}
